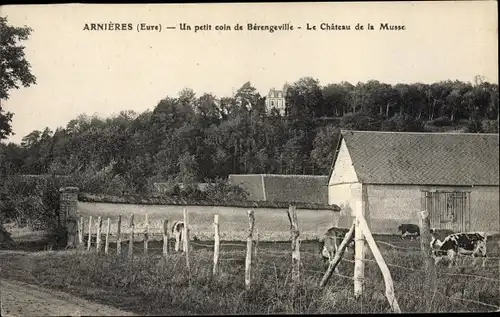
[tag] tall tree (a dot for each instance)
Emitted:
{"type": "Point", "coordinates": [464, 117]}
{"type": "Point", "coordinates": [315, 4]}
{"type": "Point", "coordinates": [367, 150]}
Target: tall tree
{"type": "Point", "coordinates": [247, 96]}
{"type": "Point", "coordinates": [14, 68]}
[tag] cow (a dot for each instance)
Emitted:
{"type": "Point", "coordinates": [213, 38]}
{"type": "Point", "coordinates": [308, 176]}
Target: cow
{"type": "Point", "coordinates": [331, 241]}
{"type": "Point", "coordinates": [411, 230]}
{"type": "Point", "coordinates": [177, 232]}
{"type": "Point", "coordinates": [463, 243]}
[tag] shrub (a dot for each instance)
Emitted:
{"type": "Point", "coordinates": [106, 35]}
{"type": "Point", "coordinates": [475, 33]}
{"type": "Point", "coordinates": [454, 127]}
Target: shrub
{"type": "Point", "coordinates": [221, 190]}
{"type": "Point", "coordinates": [31, 200]}
{"type": "Point", "coordinates": [441, 122]}
{"type": "Point", "coordinates": [218, 190]}
{"type": "Point", "coordinates": [490, 126]}
{"type": "Point", "coordinates": [474, 126]}
{"type": "Point", "coordinates": [360, 121]}
{"type": "Point", "coordinates": [103, 181]}
{"type": "Point", "coordinates": [402, 123]}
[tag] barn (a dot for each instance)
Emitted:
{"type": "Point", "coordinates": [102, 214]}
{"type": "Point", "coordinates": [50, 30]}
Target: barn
{"type": "Point", "coordinates": [283, 188]}
{"type": "Point", "coordinates": [392, 176]}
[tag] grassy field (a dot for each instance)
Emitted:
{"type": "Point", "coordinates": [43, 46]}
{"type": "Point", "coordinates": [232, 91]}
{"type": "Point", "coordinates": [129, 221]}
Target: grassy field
{"type": "Point", "coordinates": [149, 284]}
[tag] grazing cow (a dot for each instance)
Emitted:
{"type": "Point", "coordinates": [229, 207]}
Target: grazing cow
{"type": "Point", "coordinates": [177, 231]}
{"type": "Point", "coordinates": [411, 230]}
{"type": "Point", "coordinates": [463, 243]}
{"type": "Point", "coordinates": [331, 242]}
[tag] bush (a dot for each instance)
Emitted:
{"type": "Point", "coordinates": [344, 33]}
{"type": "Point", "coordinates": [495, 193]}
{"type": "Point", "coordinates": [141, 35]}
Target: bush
{"type": "Point", "coordinates": [104, 181]}
{"type": "Point", "coordinates": [5, 237]}
{"type": "Point", "coordinates": [441, 122]}
{"type": "Point", "coordinates": [31, 201]}
{"type": "Point", "coordinates": [223, 191]}
{"type": "Point", "coordinates": [219, 190]}
{"type": "Point", "coordinates": [490, 126]}
{"type": "Point", "coordinates": [402, 123]}
{"type": "Point", "coordinates": [360, 121]}
{"type": "Point", "coordinates": [474, 126]}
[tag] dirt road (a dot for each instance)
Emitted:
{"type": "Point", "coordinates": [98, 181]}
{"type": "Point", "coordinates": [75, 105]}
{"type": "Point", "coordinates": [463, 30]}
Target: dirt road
{"type": "Point", "coordinates": [21, 299]}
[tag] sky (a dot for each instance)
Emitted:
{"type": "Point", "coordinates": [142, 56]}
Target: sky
{"type": "Point", "coordinates": [104, 72]}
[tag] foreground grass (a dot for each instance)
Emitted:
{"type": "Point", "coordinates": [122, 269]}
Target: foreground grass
{"type": "Point", "coordinates": [154, 285]}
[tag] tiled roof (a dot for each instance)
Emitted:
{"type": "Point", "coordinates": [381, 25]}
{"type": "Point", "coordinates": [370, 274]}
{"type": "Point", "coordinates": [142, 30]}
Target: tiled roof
{"type": "Point", "coordinates": [283, 188]}
{"type": "Point", "coordinates": [424, 158]}
{"type": "Point", "coordinates": [251, 183]}
{"type": "Point", "coordinates": [158, 200]}
{"type": "Point", "coordinates": [273, 93]}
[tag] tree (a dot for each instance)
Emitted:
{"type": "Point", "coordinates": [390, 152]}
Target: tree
{"type": "Point", "coordinates": [5, 127]}
{"type": "Point", "coordinates": [304, 99]}
{"type": "Point", "coordinates": [14, 68]}
{"type": "Point", "coordinates": [247, 96]}
{"type": "Point", "coordinates": [324, 146]}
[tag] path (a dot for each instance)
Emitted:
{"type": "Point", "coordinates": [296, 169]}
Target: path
{"type": "Point", "coordinates": [21, 299]}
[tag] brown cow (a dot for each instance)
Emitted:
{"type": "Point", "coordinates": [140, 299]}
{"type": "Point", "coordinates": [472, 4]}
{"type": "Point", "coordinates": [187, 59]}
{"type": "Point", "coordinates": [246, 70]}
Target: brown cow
{"type": "Point", "coordinates": [177, 231]}
{"type": "Point", "coordinates": [331, 242]}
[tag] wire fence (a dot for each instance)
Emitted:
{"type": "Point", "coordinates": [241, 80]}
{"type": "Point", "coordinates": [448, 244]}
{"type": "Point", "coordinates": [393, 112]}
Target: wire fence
{"type": "Point", "coordinates": [405, 254]}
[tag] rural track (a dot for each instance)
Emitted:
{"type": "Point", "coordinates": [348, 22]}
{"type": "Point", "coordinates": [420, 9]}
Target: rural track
{"type": "Point", "coordinates": [22, 299]}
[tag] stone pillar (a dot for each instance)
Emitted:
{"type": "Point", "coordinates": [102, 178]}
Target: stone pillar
{"type": "Point", "coordinates": [68, 220]}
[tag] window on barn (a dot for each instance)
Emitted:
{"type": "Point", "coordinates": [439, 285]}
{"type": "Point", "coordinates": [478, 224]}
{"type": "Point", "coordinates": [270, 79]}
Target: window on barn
{"type": "Point", "coordinates": [448, 210]}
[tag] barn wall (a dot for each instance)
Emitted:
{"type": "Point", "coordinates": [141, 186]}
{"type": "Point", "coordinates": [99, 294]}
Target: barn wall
{"type": "Point", "coordinates": [391, 205]}
{"type": "Point", "coordinates": [343, 172]}
{"type": "Point", "coordinates": [271, 223]}
{"type": "Point", "coordinates": [348, 197]}
{"type": "Point", "coordinates": [485, 209]}
{"type": "Point", "coordinates": [344, 190]}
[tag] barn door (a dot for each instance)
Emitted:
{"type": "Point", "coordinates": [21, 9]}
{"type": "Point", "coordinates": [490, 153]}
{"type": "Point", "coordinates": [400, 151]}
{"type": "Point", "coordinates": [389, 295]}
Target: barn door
{"type": "Point", "coordinates": [448, 210]}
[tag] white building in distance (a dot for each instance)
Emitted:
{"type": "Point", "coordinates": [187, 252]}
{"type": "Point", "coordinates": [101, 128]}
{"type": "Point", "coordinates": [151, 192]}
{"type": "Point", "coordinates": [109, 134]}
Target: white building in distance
{"type": "Point", "coordinates": [276, 99]}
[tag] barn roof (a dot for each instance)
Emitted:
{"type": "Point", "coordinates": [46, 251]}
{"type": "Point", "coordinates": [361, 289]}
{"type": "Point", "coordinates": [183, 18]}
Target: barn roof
{"type": "Point", "coordinates": [283, 188]}
{"type": "Point", "coordinates": [424, 158]}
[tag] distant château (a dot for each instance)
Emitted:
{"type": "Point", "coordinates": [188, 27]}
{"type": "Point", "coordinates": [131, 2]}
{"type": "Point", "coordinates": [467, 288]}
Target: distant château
{"type": "Point", "coordinates": [276, 99]}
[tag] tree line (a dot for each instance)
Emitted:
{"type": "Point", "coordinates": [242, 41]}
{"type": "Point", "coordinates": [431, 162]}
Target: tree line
{"type": "Point", "coordinates": [188, 138]}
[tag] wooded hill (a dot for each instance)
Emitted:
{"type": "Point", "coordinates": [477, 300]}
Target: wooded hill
{"type": "Point", "coordinates": [191, 138]}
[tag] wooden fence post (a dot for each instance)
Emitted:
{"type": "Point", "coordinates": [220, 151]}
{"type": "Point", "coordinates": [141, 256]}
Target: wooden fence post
{"type": "Point", "coordinates": [248, 260]}
{"type": "Point", "coordinates": [294, 232]}
{"type": "Point", "coordinates": [430, 269]}
{"type": "Point", "coordinates": [359, 252]}
{"type": "Point", "coordinates": [98, 237]}
{"type": "Point", "coordinates": [119, 235]}
{"type": "Point", "coordinates": [256, 245]}
{"type": "Point", "coordinates": [80, 234]}
{"type": "Point", "coordinates": [186, 243]}
{"type": "Point", "coordinates": [389, 286]}
{"type": "Point", "coordinates": [146, 235]}
{"type": "Point", "coordinates": [89, 241]}
{"type": "Point", "coordinates": [131, 239]}
{"type": "Point", "coordinates": [178, 238]}
{"type": "Point", "coordinates": [338, 256]}
{"type": "Point", "coordinates": [216, 244]}
{"type": "Point", "coordinates": [165, 237]}
{"type": "Point", "coordinates": [106, 243]}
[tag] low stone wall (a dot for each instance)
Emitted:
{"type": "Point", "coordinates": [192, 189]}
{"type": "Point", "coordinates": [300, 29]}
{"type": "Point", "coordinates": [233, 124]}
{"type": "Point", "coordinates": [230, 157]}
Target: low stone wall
{"type": "Point", "coordinates": [271, 224]}
{"type": "Point", "coordinates": [271, 220]}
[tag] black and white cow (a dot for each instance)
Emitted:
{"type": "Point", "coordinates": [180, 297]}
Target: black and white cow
{"type": "Point", "coordinates": [177, 232]}
{"type": "Point", "coordinates": [409, 230]}
{"type": "Point", "coordinates": [463, 243]}
{"type": "Point", "coordinates": [331, 242]}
